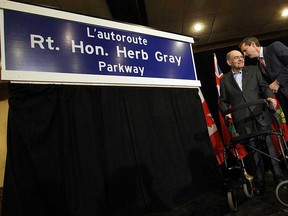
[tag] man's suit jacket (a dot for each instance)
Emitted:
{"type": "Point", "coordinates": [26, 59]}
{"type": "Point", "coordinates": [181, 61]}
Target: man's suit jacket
{"type": "Point", "coordinates": [276, 59]}
{"type": "Point", "coordinates": [254, 87]}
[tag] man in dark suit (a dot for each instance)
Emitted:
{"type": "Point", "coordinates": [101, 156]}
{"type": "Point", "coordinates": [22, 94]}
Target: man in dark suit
{"type": "Point", "coordinates": [273, 63]}
{"type": "Point", "coordinates": [243, 85]}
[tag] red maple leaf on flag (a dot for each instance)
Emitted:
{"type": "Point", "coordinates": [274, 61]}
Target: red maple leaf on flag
{"type": "Point", "coordinates": [209, 120]}
{"type": "Point", "coordinates": [214, 136]}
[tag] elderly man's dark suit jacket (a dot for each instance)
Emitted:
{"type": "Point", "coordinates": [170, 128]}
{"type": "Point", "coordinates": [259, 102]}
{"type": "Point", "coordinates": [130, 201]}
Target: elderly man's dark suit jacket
{"type": "Point", "coordinates": [254, 87]}
{"type": "Point", "coordinates": [276, 59]}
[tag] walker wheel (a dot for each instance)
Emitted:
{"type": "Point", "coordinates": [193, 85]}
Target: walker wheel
{"type": "Point", "coordinates": [248, 188]}
{"type": "Point", "coordinates": [232, 200]}
{"type": "Point", "coordinates": [282, 192]}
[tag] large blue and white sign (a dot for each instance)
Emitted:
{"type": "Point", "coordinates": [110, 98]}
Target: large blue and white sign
{"type": "Point", "coordinates": [71, 48]}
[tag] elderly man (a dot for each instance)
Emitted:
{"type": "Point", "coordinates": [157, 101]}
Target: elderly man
{"type": "Point", "coordinates": [243, 85]}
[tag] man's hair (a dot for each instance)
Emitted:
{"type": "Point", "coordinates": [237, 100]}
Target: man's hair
{"type": "Point", "coordinates": [249, 40]}
{"type": "Point", "coordinates": [228, 55]}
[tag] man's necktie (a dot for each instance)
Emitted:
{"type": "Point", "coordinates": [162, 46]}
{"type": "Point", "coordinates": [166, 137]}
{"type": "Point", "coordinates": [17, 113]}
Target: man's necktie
{"type": "Point", "coordinates": [262, 62]}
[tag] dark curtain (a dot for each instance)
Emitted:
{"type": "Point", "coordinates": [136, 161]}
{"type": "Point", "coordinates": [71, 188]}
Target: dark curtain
{"type": "Point", "coordinates": [93, 151]}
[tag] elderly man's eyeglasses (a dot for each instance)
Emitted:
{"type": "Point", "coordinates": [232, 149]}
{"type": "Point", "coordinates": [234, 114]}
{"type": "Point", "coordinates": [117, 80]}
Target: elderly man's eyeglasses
{"type": "Point", "coordinates": [238, 57]}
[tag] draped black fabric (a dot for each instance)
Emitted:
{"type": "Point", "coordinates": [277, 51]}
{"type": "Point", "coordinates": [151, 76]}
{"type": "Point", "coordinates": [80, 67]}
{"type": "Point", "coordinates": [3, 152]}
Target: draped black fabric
{"type": "Point", "coordinates": [93, 151]}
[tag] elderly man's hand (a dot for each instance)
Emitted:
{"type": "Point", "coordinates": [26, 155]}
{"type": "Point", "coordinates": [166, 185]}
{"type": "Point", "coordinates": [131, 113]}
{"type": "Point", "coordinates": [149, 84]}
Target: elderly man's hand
{"type": "Point", "coordinates": [272, 102]}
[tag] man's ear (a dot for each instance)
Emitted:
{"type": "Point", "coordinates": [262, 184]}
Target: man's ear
{"type": "Point", "coordinates": [228, 62]}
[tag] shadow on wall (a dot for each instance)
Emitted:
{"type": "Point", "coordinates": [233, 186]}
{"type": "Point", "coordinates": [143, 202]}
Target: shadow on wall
{"type": "Point", "coordinates": [211, 199]}
{"type": "Point", "coordinates": [207, 183]}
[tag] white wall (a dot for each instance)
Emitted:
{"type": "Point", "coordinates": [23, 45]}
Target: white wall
{"type": "Point", "coordinates": [3, 137]}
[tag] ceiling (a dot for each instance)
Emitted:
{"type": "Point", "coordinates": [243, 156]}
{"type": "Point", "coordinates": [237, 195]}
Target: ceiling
{"type": "Point", "coordinates": [226, 21]}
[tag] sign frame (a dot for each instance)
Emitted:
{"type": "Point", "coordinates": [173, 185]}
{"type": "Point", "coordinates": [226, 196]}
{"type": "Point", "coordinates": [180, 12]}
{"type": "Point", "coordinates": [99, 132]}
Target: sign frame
{"type": "Point", "coordinates": [19, 76]}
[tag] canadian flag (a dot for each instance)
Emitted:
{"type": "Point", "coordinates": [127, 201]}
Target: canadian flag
{"type": "Point", "coordinates": [213, 132]}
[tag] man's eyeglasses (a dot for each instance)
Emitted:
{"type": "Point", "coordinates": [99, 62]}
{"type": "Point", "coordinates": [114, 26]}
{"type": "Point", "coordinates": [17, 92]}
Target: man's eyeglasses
{"type": "Point", "coordinates": [238, 57]}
